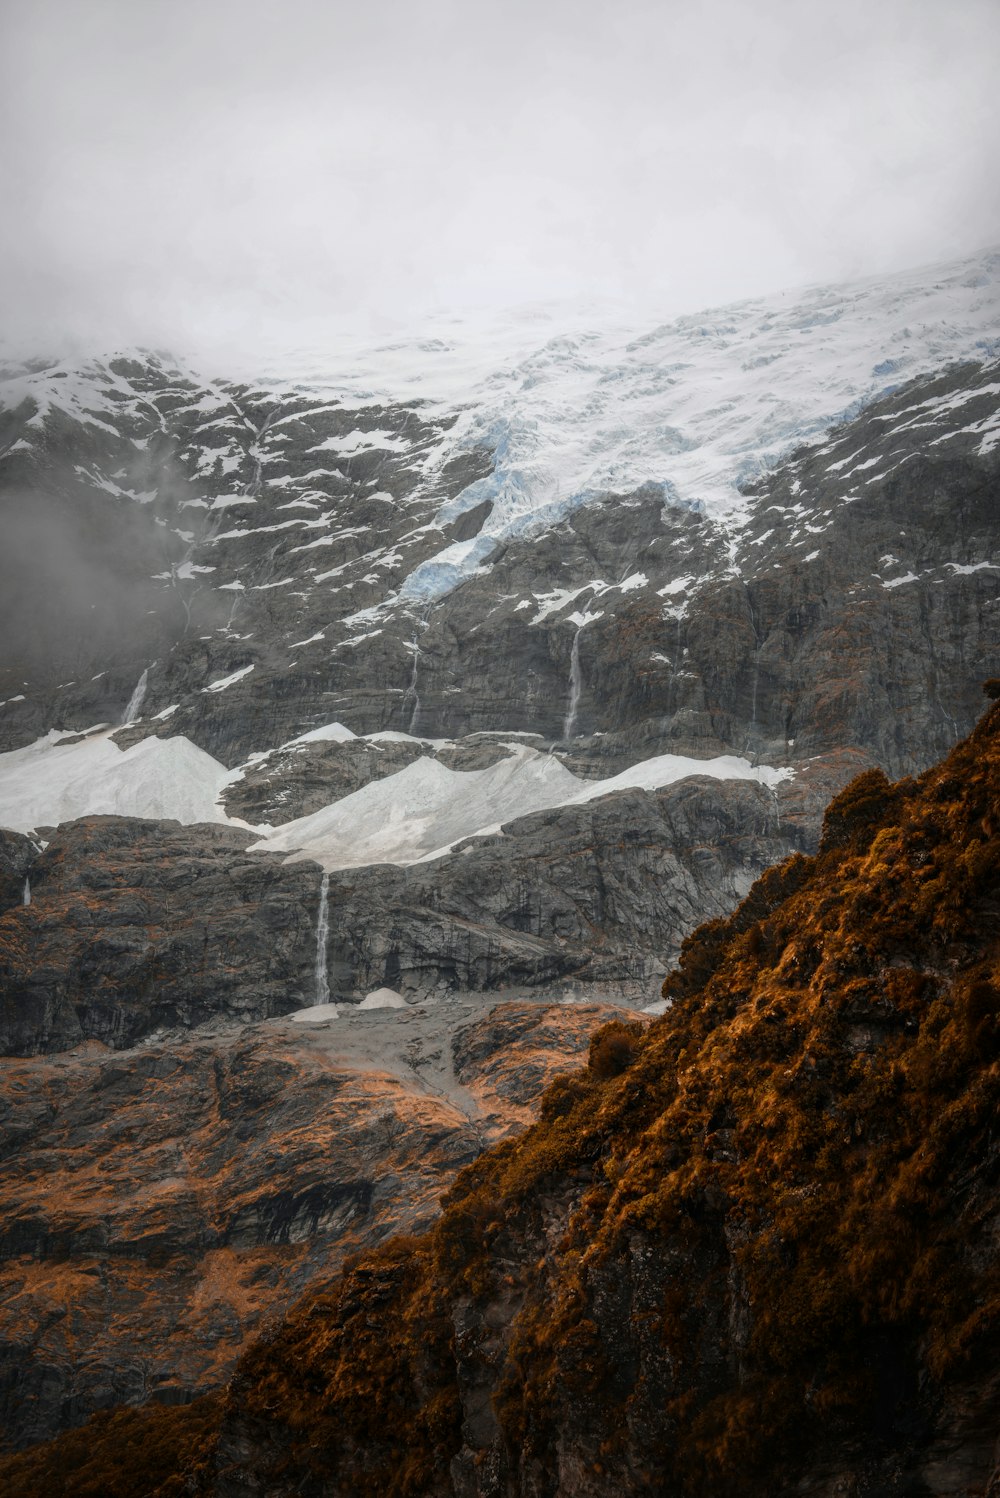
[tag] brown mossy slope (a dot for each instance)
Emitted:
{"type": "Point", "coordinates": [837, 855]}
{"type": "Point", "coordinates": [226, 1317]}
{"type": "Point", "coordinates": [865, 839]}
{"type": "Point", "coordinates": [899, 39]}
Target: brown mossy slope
{"type": "Point", "coordinates": [755, 1250]}
{"type": "Point", "coordinates": [157, 1452]}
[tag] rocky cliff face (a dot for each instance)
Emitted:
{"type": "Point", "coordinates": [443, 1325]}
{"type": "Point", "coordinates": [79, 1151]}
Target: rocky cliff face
{"type": "Point", "coordinates": [768, 534]}
{"type": "Point", "coordinates": [159, 1203]}
{"type": "Point", "coordinates": [751, 1251]}
{"type": "Point", "coordinates": [136, 926]}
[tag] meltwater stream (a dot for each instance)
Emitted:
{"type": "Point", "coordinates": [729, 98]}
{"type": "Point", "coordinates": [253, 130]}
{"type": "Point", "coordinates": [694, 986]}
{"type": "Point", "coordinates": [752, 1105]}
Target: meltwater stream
{"type": "Point", "coordinates": [412, 695]}
{"type": "Point", "coordinates": [322, 932]}
{"type": "Point", "coordinates": [136, 700]}
{"type": "Point", "coordinates": [575, 686]}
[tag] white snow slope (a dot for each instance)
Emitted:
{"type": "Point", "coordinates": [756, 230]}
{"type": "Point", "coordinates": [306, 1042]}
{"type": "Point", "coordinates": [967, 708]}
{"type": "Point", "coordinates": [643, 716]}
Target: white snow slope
{"type": "Point", "coordinates": [417, 814]}
{"type": "Point", "coordinates": [49, 782]}
{"type": "Point", "coordinates": [702, 403]}
{"type": "Point", "coordinates": [422, 811]}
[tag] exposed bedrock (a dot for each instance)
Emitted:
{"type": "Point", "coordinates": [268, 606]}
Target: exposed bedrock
{"type": "Point", "coordinates": [136, 926]}
{"type": "Point", "coordinates": [17, 854]}
{"type": "Point", "coordinates": [158, 1204]}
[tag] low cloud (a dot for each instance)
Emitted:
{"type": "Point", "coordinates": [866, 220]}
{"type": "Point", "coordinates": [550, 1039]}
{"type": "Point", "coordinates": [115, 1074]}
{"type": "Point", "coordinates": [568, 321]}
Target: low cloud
{"type": "Point", "coordinates": [223, 174]}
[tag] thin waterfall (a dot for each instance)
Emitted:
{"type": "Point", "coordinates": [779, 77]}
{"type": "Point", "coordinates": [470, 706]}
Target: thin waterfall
{"type": "Point", "coordinates": [26, 893]}
{"type": "Point", "coordinates": [322, 932]}
{"type": "Point", "coordinates": [675, 663]}
{"type": "Point", "coordinates": [136, 700]}
{"type": "Point", "coordinates": [255, 451]}
{"type": "Point", "coordinates": [411, 694]}
{"type": "Point", "coordinates": [748, 747]}
{"type": "Point", "coordinates": [753, 697]}
{"type": "Point", "coordinates": [575, 685]}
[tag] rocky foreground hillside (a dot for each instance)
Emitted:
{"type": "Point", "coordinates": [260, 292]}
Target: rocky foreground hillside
{"type": "Point", "coordinates": [159, 1205]}
{"type": "Point", "coordinates": [751, 1250]}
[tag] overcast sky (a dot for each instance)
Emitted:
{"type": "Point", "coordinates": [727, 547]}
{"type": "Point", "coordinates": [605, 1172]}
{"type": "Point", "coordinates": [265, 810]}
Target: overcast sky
{"type": "Point", "coordinates": [210, 171]}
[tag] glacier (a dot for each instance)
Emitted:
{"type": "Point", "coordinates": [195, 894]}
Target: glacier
{"type": "Point", "coordinates": [610, 401]}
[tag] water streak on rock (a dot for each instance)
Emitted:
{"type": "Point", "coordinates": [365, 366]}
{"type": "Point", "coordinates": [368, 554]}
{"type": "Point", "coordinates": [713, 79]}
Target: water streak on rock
{"type": "Point", "coordinates": [412, 694]}
{"type": "Point", "coordinates": [136, 700]}
{"type": "Point", "coordinates": [322, 933]}
{"type": "Point", "coordinates": [575, 685]}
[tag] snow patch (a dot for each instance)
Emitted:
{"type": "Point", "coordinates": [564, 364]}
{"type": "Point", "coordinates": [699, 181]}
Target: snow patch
{"type": "Point", "coordinates": [897, 582]}
{"type": "Point", "coordinates": [383, 998]}
{"type": "Point", "coordinates": [227, 681]}
{"type": "Point", "coordinates": [315, 1014]}
{"type": "Point", "coordinates": [956, 568]}
{"type": "Point", "coordinates": [334, 733]}
{"type": "Point", "coordinates": [49, 781]}
{"type": "Point", "coordinates": [424, 810]}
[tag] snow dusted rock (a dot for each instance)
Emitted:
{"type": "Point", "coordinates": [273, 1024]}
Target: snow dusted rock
{"type": "Point", "coordinates": [596, 510]}
{"type": "Point", "coordinates": [296, 781]}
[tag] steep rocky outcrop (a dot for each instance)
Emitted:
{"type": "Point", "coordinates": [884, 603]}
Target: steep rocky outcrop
{"type": "Point", "coordinates": [600, 893]}
{"type": "Point", "coordinates": [17, 854]}
{"type": "Point", "coordinates": [137, 926]}
{"type": "Point", "coordinates": [158, 1205]}
{"type": "Point", "coordinates": [751, 1251]}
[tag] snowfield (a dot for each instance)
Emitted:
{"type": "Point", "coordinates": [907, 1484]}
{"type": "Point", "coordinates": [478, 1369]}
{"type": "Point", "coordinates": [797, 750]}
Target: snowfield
{"type": "Point", "coordinates": [415, 815]}
{"type": "Point", "coordinates": [583, 402]}
{"type": "Point", "coordinates": [53, 781]}
{"type": "Point", "coordinates": [422, 811]}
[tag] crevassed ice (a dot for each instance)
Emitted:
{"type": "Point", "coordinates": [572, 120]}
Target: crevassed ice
{"type": "Point", "coordinates": [686, 407]}
{"type": "Point", "coordinates": [582, 403]}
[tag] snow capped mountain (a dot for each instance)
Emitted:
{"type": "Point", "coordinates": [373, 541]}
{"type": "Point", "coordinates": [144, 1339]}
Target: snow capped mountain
{"type": "Point", "coordinates": [698, 406]}
{"type": "Point", "coordinates": [578, 533]}
{"type": "Point", "coordinates": [488, 661]}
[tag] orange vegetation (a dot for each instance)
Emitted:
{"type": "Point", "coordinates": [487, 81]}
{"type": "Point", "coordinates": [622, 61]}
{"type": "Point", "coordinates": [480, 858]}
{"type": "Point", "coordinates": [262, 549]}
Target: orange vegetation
{"type": "Point", "coordinates": [760, 1234]}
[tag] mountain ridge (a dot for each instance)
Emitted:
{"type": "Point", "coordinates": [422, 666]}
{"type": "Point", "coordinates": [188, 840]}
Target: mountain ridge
{"type": "Point", "coordinates": [207, 616]}
{"type": "Point", "coordinates": [229, 487]}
